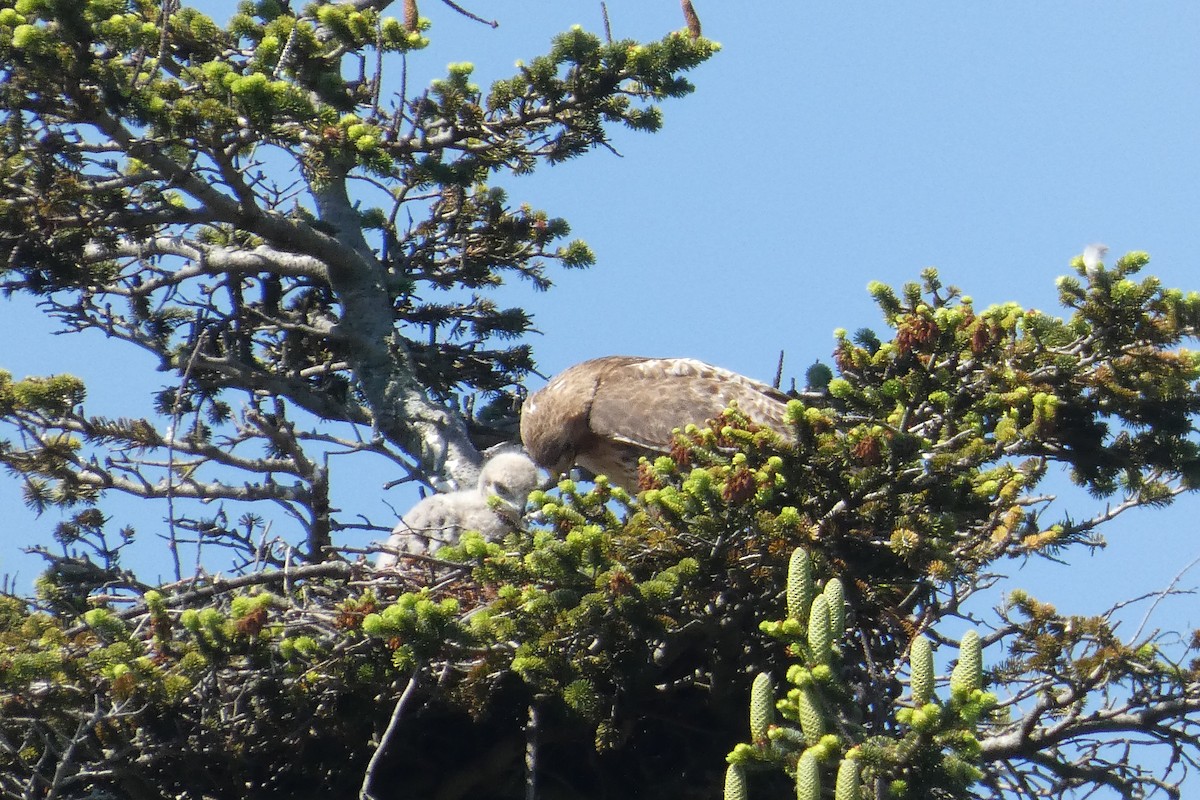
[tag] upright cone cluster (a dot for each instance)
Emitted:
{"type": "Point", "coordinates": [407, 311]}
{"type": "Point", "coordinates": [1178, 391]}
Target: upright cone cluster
{"type": "Point", "coordinates": [762, 707]}
{"type": "Point", "coordinates": [800, 589]}
{"type": "Point", "coordinates": [848, 780]}
{"type": "Point", "coordinates": [967, 675]}
{"type": "Point", "coordinates": [735, 783]}
{"type": "Point", "coordinates": [835, 600]}
{"type": "Point", "coordinates": [808, 708]}
{"type": "Point", "coordinates": [920, 659]}
{"type": "Point", "coordinates": [808, 777]}
{"type": "Point", "coordinates": [818, 708]}
{"type": "Point", "coordinates": [819, 634]}
{"type": "Point", "coordinates": [813, 629]}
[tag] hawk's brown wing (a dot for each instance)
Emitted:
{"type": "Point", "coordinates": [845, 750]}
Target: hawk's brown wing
{"type": "Point", "coordinates": [606, 413]}
{"type": "Point", "coordinates": [641, 402]}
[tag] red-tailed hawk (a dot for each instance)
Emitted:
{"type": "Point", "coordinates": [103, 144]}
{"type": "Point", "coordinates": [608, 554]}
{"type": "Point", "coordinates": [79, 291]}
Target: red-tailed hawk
{"type": "Point", "coordinates": [605, 414]}
{"type": "Point", "coordinates": [441, 519]}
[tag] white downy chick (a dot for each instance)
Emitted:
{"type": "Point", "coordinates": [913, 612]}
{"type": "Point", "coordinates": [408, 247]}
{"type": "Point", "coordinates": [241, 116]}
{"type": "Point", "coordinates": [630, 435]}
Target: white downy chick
{"type": "Point", "coordinates": [441, 519]}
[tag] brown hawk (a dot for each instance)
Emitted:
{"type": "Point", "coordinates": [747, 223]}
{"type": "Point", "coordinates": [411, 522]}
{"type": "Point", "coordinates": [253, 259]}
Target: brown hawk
{"type": "Point", "coordinates": [605, 414]}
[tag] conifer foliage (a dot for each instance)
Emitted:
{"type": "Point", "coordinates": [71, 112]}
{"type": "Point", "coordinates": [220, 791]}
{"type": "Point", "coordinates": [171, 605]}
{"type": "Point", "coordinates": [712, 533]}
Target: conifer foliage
{"type": "Point", "coordinates": [270, 210]}
{"type": "Point", "coordinates": [307, 248]}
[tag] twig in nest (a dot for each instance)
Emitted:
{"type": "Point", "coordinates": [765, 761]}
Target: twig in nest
{"type": "Point", "coordinates": [364, 793]}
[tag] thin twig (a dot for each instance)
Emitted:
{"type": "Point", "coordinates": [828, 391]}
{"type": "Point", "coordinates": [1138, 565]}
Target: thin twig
{"type": "Point", "coordinates": [607, 26]}
{"type": "Point", "coordinates": [377, 78]}
{"type": "Point", "coordinates": [218, 585]}
{"type": "Point", "coordinates": [287, 570]}
{"type": "Point", "coordinates": [66, 761]}
{"type": "Point", "coordinates": [469, 15]}
{"type": "Point", "coordinates": [393, 725]}
{"type": "Point", "coordinates": [531, 752]}
{"type": "Point", "coordinates": [176, 418]}
{"type": "Point", "coordinates": [1162, 594]}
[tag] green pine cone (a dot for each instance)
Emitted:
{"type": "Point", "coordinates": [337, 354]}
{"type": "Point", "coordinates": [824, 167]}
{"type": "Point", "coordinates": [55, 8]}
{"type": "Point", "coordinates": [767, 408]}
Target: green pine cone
{"type": "Point", "coordinates": [812, 722]}
{"type": "Point", "coordinates": [808, 778]}
{"type": "Point", "coordinates": [967, 675]}
{"type": "Point", "coordinates": [735, 783]}
{"type": "Point", "coordinates": [819, 638]}
{"type": "Point", "coordinates": [835, 595]}
{"type": "Point", "coordinates": [920, 660]}
{"type": "Point", "coordinates": [800, 589]}
{"type": "Point", "coordinates": [762, 707]}
{"type": "Point", "coordinates": [847, 781]}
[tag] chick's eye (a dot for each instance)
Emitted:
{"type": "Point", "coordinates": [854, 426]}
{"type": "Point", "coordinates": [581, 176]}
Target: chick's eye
{"type": "Point", "coordinates": [502, 488]}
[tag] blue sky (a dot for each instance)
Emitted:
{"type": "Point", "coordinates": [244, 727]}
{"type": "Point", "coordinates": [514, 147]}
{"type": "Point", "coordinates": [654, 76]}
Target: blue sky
{"type": "Point", "coordinates": [827, 145]}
